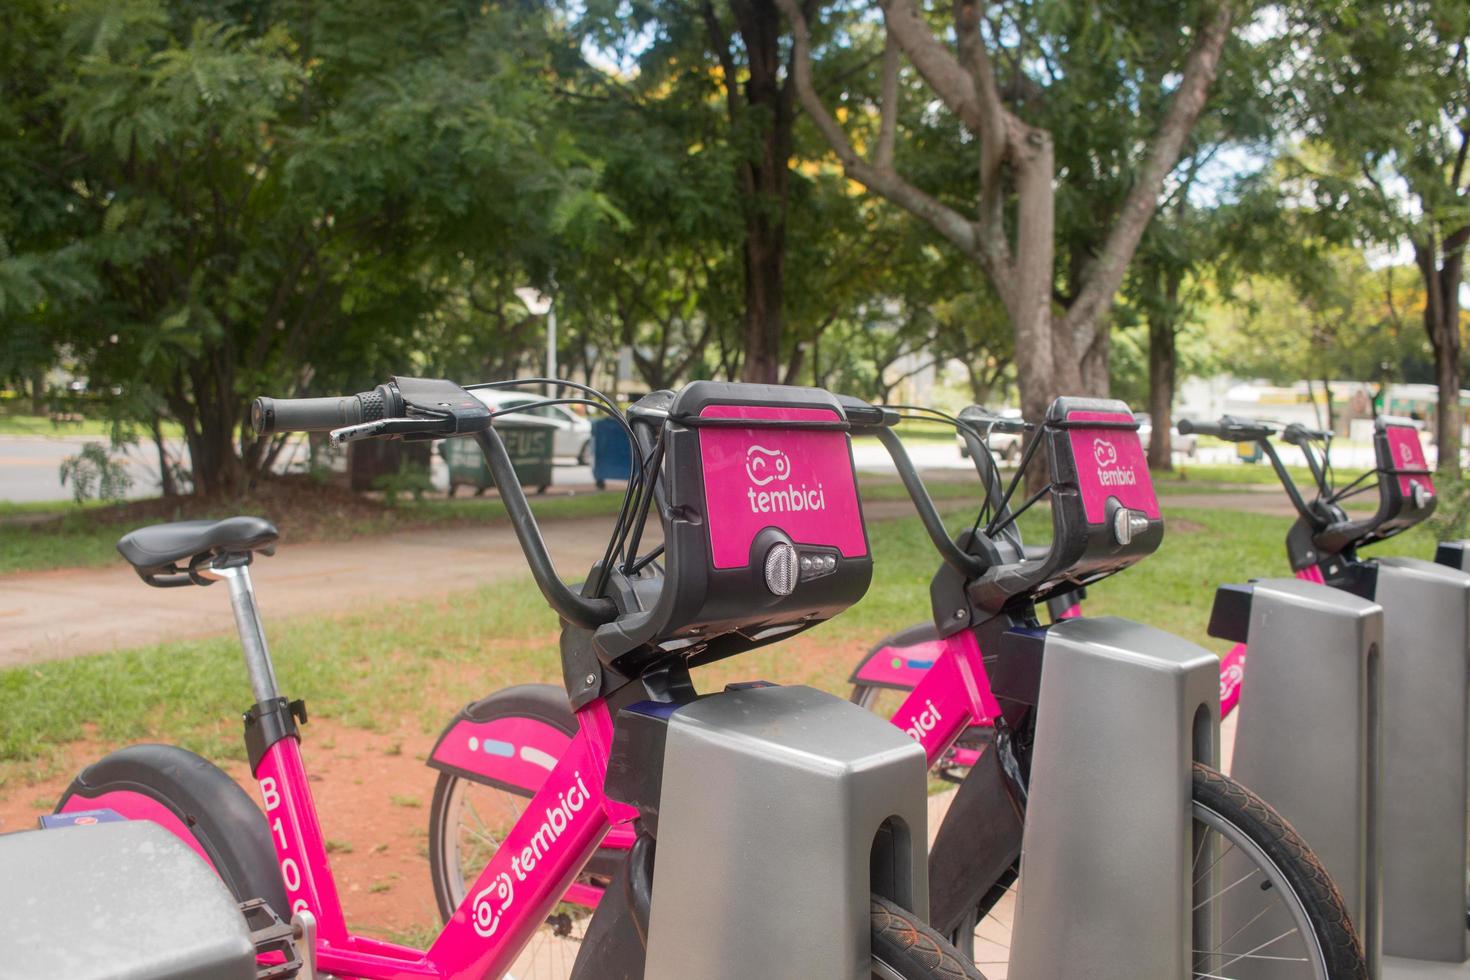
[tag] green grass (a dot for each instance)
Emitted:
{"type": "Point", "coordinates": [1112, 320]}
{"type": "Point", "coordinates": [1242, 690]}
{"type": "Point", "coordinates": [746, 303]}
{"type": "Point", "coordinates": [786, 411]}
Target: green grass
{"type": "Point", "coordinates": [1242, 473]}
{"type": "Point", "coordinates": [414, 662]}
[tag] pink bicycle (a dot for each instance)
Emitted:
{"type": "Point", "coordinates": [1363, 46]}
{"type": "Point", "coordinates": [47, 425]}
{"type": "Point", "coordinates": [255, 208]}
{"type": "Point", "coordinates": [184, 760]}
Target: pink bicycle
{"type": "Point", "coordinates": [746, 560]}
{"type": "Point", "coordinates": [1321, 546]}
{"type": "Point", "coordinates": [978, 666]}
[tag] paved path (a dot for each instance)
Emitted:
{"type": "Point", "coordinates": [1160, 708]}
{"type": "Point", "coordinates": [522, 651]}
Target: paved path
{"type": "Point", "coordinates": [70, 612]}
{"type": "Point", "coordinates": [73, 612]}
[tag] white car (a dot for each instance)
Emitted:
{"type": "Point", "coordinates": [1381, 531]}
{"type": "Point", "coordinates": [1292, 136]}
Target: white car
{"type": "Point", "coordinates": [573, 436]}
{"type": "Point", "coordinates": [1004, 446]}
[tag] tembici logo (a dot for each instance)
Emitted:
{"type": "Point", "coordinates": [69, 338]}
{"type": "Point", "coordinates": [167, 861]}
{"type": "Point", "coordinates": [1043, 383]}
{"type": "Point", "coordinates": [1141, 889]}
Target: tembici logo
{"type": "Point", "coordinates": [492, 901]}
{"type": "Point", "coordinates": [1109, 473]}
{"type": "Point", "coordinates": [924, 722]}
{"type": "Point", "coordinates": [765, 466]}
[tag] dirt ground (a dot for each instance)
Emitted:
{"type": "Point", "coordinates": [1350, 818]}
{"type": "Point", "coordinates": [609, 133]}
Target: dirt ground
{"type": "Point", "coordinates": [372, 792]}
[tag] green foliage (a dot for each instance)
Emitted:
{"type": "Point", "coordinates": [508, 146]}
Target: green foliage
{"type": "Point", "coordinates": [1451, 520]}
{"type": "Point", "coordinates": [229, 200]}
{"type": "Point", "coordinates": [412, 479]}
{"type": "Point", "coordinates": [95, 475]}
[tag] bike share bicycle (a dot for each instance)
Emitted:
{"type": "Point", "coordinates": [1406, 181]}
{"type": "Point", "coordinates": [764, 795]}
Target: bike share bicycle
{"type": "Point", "coordinates": [1423, 818]}
{"type": "Point", "coordinates": [1104, 518]}
{"type": "Point", "coordinates": [836, 797]}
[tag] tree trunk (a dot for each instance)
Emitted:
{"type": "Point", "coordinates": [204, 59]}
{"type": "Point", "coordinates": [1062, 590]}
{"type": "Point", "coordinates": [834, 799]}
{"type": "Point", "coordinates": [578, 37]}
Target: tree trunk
{"type": "Point", "coordinates": [1162, 375]}
{"type": "Point", "coordinates": [1096, 381]}
{"type": "Point", "coordinates": [1046, 365]}
{"type": "Point", "coordinates": [166, 481]}
{"type": "Point", "coordinates": [764, 187]}
{"type": "Point", "coordinates": [38, 391]}
{"type": "Point", "coordinates": [1442, 323]}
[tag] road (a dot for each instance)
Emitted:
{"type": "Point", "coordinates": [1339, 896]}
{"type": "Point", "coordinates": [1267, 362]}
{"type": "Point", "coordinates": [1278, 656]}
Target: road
{"type": "Point", "coordinates": [30, 465]}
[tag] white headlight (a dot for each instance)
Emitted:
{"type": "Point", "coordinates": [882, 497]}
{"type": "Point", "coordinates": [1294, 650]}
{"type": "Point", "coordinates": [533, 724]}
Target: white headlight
{"type": "Point", "coordinates": [781, 568]}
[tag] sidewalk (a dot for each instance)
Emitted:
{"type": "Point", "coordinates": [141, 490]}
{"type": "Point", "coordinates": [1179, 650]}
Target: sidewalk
{"type": "Point", "coordinates": [74, 612]}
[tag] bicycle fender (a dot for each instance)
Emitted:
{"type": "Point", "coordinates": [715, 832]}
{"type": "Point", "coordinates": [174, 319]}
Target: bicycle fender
{"type": "Point", "coordinates": [900, 661]}
{"type": "Point", "coordinates": [510, 740]}
{"type": "Point", "coordinates": [978, 842]}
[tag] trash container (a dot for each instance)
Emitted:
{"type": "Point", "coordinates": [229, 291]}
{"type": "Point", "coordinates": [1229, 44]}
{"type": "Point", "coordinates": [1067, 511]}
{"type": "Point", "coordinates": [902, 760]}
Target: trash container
{"type": "Point", "coordinates": [612, 457]}
{"type": "Point", "coordinates": [529, 443]}
{"type": "Point", "coordinates": [371, 459]}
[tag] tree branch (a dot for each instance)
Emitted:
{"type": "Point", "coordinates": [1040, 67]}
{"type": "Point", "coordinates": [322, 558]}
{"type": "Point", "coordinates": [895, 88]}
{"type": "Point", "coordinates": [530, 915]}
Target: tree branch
{"type": "Point", "coordinates": [882, 180]}
{"type": "Point", "coordinates": [888, 106]}
{"type": "Point", "coordinates": [949, 79]}
{"type": "Point", "coordinates": [721, 43]}
{"type": "Point", "coordinates": [1106, 274]}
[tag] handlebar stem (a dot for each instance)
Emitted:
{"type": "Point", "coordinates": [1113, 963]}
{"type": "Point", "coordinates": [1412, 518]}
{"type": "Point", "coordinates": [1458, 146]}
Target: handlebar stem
{"type": "Point", "coordinates": [575, 609]}
{"type": "Point", "coordinates": [967, 564]}
{"type": "Point", "coordinates": [1286, 481]}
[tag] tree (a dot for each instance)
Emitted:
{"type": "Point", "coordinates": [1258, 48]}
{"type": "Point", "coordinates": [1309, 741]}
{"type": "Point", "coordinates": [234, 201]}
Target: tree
{"type": "Point", "coordinates": [274, 197]}
{"type": "Point", "coordinates": [664, 282]}
{"type": "Point", "coordinates": [1322, 316]}
{"type": "Point", "coordinates": [690, 52]}
{"type": "Point", "coordinates": [992, 85]}
{"type": "Point", "coordinates": [1387, 94]}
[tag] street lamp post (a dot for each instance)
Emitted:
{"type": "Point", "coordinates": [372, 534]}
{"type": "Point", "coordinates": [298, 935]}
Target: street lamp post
{"type": "Point", "coordinates": [539, 304]}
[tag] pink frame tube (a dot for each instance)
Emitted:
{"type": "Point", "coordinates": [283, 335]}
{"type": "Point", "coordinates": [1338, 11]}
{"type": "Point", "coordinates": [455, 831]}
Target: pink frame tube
{"type": "Point", "coordinates": [953, 695]}
{"type": "Point", "coordinates": [538, 861]}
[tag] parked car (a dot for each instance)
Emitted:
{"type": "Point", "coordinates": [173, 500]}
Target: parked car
{"type": "Point", "coordinates": [573, 432]}
{"type": "Point", "coordinates": [1179, 443]}
{"type": "Point", "coordinates": [1004, 446]}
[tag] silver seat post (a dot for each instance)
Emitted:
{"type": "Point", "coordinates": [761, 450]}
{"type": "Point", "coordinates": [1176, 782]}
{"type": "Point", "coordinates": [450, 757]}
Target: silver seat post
{"type": "Point", "coordinates": [250, 629]}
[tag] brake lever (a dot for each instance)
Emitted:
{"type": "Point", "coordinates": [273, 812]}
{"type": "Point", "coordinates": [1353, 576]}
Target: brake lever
{"type": "Point", "coordinates": [388, 429]}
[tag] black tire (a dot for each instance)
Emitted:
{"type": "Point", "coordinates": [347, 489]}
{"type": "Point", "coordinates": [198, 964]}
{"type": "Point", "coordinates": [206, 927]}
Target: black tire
{"type": "Point", "coordinates": [222, 816]}
{"type": "Point", "coordinates": [1217, 796]}
{"type": "Point", "coordinates": [1314, 887]}
{"type": "Point", "coordinates": [908, 948]}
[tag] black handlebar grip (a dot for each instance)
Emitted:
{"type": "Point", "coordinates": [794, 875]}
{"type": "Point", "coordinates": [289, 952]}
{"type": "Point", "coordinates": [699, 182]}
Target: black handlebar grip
{"type": "Point", "coordinates": [1191, 427]}
{"type": "Point", "coordinates": [272, 415]}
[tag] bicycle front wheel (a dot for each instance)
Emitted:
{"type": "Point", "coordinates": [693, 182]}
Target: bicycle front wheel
{"type": "Point", "coordinates": [905, 948]}
{"type": "Point", "coordinates": [1279, 915]}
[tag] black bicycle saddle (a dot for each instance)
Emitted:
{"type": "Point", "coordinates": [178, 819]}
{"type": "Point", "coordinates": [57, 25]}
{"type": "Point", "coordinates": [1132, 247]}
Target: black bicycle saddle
{"type": "Point", "coordinates": [154, 550]}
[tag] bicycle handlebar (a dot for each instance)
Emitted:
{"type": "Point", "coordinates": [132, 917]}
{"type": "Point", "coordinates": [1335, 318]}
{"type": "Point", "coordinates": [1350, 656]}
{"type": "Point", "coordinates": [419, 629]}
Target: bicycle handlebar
{"type": "Point", "coordinates": [1298, 435]}
{"type": "Point", "coordinates": [269, 416]}
{"type": "Point", "coordinates": [991, 422]}
{"type": "Point", "coordinates": [385, 405]}
{"type": "Point", "coordinates": [962, 561]}
{"type": "Point", "coordinates": [1229, 428]}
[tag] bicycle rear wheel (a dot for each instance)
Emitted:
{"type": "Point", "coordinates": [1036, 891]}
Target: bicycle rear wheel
{"type": "Point", "coordinates": [1282, 917]}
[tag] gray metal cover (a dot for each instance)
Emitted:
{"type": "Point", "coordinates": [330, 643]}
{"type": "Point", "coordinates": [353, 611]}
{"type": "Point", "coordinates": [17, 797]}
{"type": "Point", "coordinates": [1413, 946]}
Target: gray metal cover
{"type": "Point", "coordinates": [1106, 865]}
{"type": "Point", "coordinates": [1308, 741]}
{"type": "Point", "coordinates": [1426, 710]}
{"type": "Point", "coordinates": [771, 800]}
{"type": "Point", "coordinates": [116, 901]}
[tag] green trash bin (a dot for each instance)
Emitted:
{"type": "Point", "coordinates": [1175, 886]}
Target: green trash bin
{"type": "Point", "coordinates": [529, 443]}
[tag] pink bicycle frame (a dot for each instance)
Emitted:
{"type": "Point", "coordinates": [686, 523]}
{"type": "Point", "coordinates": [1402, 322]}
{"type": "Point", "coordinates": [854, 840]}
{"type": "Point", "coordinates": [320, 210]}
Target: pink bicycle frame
{"type": "Point", "coordinates": [530, 872]}
{"type": "Point", "coordinates": [952, 695]}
